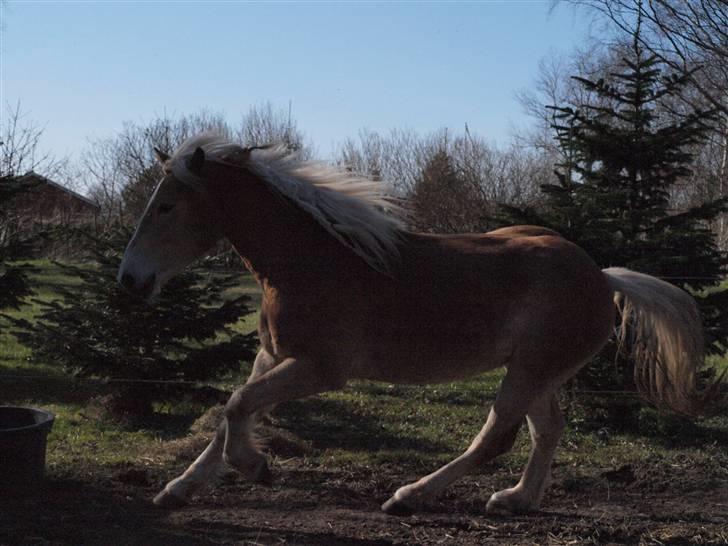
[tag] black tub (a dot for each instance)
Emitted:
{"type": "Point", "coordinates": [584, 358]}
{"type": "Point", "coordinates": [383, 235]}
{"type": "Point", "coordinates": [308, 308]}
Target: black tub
{"type": "Point", "coordinates": [23, 433]}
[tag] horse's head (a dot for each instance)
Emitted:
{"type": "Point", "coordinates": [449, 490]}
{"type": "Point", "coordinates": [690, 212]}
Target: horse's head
{"type": "Point", "coordinates": [179, 224]}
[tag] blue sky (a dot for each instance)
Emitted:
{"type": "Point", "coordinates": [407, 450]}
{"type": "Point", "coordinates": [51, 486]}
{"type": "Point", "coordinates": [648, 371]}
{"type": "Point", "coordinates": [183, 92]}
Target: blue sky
{"type": "Point", "coordinates": [83, 68]}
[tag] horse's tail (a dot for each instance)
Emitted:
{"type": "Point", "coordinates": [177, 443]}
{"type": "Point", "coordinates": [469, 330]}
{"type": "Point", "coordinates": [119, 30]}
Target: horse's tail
{"type": "Point", "coordinates": [661, 330]}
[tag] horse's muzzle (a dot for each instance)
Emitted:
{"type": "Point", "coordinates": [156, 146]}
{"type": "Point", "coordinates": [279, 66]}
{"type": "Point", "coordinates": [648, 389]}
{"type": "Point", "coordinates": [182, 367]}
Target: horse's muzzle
{"type": "Point", "coordinates": [143, 289]}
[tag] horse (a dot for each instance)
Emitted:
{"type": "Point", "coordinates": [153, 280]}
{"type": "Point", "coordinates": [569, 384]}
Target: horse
{"type": "Point", "coordinates": [348, 293]}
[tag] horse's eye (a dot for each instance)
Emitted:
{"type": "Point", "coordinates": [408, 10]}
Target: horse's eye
{"type": "Point", "coordinates": [164, 208]}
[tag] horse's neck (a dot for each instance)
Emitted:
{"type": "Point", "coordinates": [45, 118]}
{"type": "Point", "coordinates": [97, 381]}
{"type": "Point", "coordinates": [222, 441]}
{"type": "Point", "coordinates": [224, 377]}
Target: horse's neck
{"type": "Point", "coordinates": [280, 244]}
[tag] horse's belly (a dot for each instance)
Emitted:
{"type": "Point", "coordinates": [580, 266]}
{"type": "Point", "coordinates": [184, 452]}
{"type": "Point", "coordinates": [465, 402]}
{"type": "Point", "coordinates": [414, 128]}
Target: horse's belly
{"type": "Point", "coordinates": [431, 357]}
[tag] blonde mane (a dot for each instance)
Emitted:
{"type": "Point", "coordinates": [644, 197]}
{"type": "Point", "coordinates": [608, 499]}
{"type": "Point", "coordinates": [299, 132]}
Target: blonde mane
{"type": "Point", "coordinates": [353, 209]}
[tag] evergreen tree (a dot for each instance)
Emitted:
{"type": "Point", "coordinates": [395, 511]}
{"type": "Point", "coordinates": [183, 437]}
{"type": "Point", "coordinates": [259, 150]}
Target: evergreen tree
{"type": "Point", "coordinates": [623, 154]}
{"type": "Point", "coordinates": [96, 329]}
{"type": "Point", "coordinates": [443, 200]}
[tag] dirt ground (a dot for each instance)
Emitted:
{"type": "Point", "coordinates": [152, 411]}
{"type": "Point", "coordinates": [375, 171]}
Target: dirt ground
{"type": "Point", "coordinates": [654, 503]}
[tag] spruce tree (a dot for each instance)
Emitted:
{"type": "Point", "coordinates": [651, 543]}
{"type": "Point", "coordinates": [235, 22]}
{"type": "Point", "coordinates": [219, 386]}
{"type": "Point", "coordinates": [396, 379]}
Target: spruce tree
{"type": "Point", "coordinates": [623, 153]}
{"type": "Point", "coordinates": [147, 351]}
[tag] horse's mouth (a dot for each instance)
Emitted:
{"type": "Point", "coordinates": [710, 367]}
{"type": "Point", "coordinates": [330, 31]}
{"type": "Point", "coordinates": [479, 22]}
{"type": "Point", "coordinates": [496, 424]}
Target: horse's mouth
{"type": "Point", "coordinates": [146, 290]}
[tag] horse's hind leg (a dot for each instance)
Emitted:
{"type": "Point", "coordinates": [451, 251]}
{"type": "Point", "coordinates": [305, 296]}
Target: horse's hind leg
{"type": "Point", "coordinates": [209, 463]}
{"type": "Point", "coordinates": [517, 393]}
{"type": "Point", "coordinates": [545, 423]}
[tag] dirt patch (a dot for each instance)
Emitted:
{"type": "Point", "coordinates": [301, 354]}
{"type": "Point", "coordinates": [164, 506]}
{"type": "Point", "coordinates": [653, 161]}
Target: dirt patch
{"type": "Point", "coordinates": [654, 502]}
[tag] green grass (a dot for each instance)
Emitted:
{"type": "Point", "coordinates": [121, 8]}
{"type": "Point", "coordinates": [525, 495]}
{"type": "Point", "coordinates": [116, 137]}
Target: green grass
{"type": "Point", "coordinates": [80, 440]}
{"type": "Point", "coordinates": [13, 355]}
{"type": "Point", "coordinates": [364, 424]}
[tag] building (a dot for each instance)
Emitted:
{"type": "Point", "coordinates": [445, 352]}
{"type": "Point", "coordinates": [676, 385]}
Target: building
{"type": "Point", "coordinates": [46, 205]}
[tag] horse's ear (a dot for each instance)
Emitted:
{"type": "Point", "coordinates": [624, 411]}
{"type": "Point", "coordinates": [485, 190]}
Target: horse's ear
{"type": "Point", "coordinates": [195, 162]}
{"type": "Point", "coordinates": [161, 156]}
{"type": "Point", "coordinates": [247, 151]}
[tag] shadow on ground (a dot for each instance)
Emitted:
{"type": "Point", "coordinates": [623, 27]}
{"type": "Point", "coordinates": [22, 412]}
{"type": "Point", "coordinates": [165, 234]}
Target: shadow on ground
{"type": "Point", "coordinates": [330, 424]}
{"type": "Point", "coordinates": [79, 512]}
{"type": "Point", "coordinates": [44, 387]}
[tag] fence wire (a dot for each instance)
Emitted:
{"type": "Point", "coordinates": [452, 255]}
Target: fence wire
{"type": "Point", "coordinates": [103, 381]}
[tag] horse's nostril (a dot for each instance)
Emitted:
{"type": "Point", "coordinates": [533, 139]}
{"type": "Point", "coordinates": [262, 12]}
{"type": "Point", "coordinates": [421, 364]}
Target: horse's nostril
{"type": "Point", "coordinates": [127, 281]}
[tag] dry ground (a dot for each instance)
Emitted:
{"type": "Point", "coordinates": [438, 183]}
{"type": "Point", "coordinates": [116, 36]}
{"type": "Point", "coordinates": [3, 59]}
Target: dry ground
{"type": "Point", "coordinates": [658, 501]}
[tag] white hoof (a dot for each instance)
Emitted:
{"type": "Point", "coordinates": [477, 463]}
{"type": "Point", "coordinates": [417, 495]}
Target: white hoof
{"type": "Point", "coordinates": [511, 501]}
{"type": "Point", "coordinates": [167, 499]}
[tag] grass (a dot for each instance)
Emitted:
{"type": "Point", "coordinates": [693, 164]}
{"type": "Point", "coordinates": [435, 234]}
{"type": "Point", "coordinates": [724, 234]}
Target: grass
{"type": "Point", "coordinates": [14, 356]}
{"type": "Point", "coordinates": [364, 424]}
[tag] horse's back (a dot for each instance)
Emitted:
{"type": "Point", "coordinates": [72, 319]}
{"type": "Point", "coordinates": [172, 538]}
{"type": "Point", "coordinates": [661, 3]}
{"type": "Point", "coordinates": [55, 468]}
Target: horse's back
{"type": "Point", "coordinates": [523, 231]}
{"type": "Point", "coordinates": [507, 260]}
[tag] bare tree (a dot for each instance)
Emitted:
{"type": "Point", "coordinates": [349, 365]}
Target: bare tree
{"type": "Point", "coordinates": [20, 146]}
{"type": "Point", "coordinates": [455, 182]}
{"type": "Point", "coordinates": [104, 180]}
{"type": "Point", "coordinates": [122, 170]}
{"type": "Point", "coordinates": [263, 124]}
{"type": "Point", "coordinates": [509, 175]}
{"type": "Point", "coordinates": [385, 157]}
{"type": "Point", "coordinates": [398, 157]}
{"type": "Point", "coordinates": [554, 85]}
{"type": "Point", "coordinates": [19, 155]}
{"type": "Point", "coordinates": [684, 34]}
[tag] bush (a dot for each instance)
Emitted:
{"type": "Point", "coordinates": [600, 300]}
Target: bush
{"type": "Point", "coordinates": [96, 329]}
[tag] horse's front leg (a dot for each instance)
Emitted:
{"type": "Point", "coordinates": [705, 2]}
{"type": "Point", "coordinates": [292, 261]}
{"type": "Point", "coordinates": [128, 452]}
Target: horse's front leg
{"type": "Point", "coordinates": [291, 379]}
{"type": "Point", "coordinates": [178, 491]}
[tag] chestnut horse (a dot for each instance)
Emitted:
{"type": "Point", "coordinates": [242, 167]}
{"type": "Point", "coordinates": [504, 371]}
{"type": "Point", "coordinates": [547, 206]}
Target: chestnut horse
{"type": "Point", "coordinates": [348, 293]}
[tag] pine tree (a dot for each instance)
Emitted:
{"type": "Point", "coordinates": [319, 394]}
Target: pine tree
{"type": "Point", "coordinates": [96, 329]}
{"type": "Point", "coordinates": [623, 154]}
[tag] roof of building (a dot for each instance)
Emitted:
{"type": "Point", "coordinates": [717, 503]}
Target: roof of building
{"type": "Point", "coordinates": [34, 175]}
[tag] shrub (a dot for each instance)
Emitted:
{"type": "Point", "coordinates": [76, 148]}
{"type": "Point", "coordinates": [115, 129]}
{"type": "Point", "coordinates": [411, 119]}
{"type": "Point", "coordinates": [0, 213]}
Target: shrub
{"type": "Point", "coordinates": [96, 329]}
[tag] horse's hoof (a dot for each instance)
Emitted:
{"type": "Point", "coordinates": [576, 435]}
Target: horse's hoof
{"type": "Point", "coordinates": [495, 508]}
{"type": "Point", "coordinates": [506, 503]}
{"type": "Point", "coordinates": [394, 507]}
{"type": "Point", "coordinates": [263, 475]}
{"type": "Point", "coordinates": [169, 501]}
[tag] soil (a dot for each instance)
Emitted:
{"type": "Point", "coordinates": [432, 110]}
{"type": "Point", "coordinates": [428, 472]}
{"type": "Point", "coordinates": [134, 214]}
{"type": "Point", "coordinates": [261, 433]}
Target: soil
{"type": "Point", "coordinates": [653, 503]}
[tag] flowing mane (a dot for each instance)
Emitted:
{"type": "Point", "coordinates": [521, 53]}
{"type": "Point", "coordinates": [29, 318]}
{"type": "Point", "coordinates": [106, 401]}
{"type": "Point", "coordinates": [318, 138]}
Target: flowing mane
{"type": "Point", "coordinates": [353, 209]}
